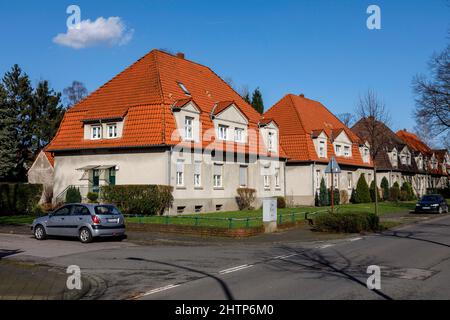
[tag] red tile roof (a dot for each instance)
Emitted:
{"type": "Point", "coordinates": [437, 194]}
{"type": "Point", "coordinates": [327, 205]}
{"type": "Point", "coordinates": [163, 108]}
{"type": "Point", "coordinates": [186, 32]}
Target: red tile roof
{"type": "Point", "coordinates": [299, 118]}
{"type": "Point", "coordinates": [414, 142]}
{"type": "Point", "coordinates": [144, 94]}
{"type": "Point", "coordinates": [50, 158]}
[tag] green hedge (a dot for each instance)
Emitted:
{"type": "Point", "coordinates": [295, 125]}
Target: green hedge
{"type": "Point", "coordinates": [139, 199]}
{"type": "Point", "coordinates": [346, 222]}
{"type": "Point", "coordinates": [19, 198]}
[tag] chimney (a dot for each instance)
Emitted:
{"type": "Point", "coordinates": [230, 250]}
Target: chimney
{"type": "Point", "coordinates": [301, 95]}
{"type": "Point", "coordinates": [180, 55]}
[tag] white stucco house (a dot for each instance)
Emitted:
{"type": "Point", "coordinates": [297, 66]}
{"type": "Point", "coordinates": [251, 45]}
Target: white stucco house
{"type": "Point", "coordinates": [167, 120]}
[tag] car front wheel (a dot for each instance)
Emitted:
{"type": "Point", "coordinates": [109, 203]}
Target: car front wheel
{"type": "Point", "coordinates": [440, 210]}
{"type": "Point", "coordinates": [85, 235]}
{"type": "Point", "coordinates": [39, 232]}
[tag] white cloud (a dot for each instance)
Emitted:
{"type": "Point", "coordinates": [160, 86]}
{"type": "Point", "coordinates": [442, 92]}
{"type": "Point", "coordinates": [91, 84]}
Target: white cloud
{"type": "Point", "coordinates": [110, 32]}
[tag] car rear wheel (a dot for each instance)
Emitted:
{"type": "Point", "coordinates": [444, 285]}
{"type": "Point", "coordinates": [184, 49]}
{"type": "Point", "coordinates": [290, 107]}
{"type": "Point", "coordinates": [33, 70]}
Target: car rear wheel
{"type": "Point", "coordinates": [85, 235]}
{"type": "Point", "coordinates": [39, 232]}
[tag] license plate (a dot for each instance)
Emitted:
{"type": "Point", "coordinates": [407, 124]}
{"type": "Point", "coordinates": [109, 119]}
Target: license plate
{"type": "Point", "coordinates": [113, 220]}
{"type": "Point", "coordinates": [426, 208]}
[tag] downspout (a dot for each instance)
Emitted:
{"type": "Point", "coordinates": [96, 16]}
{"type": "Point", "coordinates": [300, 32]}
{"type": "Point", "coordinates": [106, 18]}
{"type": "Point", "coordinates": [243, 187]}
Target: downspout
{"type": "Point", "coordinates": [169, 169]}
{"type": "Point", "coordinates": [285, 192]}
{"type": "Point", "coordinates": [313, 180]}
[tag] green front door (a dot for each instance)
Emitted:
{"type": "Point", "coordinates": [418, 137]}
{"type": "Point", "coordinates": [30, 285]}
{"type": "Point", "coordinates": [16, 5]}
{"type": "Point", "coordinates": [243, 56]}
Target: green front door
{"type": "Point", "coordinates": [112, 176]}
{"type": "Point", "coordinates": [95, 180]}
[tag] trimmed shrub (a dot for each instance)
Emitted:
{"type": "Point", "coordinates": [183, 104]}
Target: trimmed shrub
{"type": "Point", "coordinates": [362, 194]}
{"type": "Point", "coordinates": [73, 195]}
{"type": "Point", "coordinates": [317, 199]}
{"type": "Point", "coordinates": [385, 188]}
{"type": "Point", "coordinates": [352, 196]}
{"type": "Point", "coordinates": [281, 202]}
{"type": "Point", "coordinates": [407, 192]}
{"type": "Point", "coordinates": [323, 194]}
{"type": "Point", "coordinates": [336, 196]}
{"type": "Point", "coordinates": [349, 222]}
{"type": "Point", "coordinates": [394, 192]}
{"type": "Point", "coordinates": [343, 196]}
{"type": "Point", "coordinates": [92, 197]}
{"type": "Point", "coordinates": [19, 198]}
{"type": "Point", "coordinates": [139, 199]}
{"type": "Point", "coordinates": [245, 198]}
{"type": "Point", "coordinates": [372, 192]}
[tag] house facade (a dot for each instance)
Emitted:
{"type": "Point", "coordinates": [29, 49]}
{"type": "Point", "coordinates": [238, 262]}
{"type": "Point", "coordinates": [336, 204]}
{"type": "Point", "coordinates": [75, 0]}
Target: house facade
{"type": "Point", "coordinates": [42, 172]}
{"type": "Point", "coordinates": [170, 121]}
{"type": "Point", "coordinates": [311, 135]}
{"type": "Point", "coordinates": [405, 158]}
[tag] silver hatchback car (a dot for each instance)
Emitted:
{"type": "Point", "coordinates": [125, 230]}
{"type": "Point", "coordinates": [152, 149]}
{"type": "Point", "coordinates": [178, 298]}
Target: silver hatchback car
{"type": "Point", "coordinates": [85, 221]}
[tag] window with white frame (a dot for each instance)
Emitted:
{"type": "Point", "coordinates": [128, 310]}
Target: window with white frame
{"type": "Point", "coordinates": [266, 182]}
{"type": "Point", "coordinates": [239, 135]}
{"type": "Point", "coordinates": [188, 128]}
{"type": "Point", "coordinates": [277, 177]}
{"type": "Point", "coordinates": [223, 132]}
{"type": "Point", "coordinates": [349, 180]}
{"type": "Point", "coordinates": [317, 179]}
{"type": "Point", "coordinates": [270, 141]}
{"type": "Point", "coordinates": [336, 180]}
{"type": "Point", "coordinates": [346, 151]}
{"type": "Point", "coordinates": [337, 149]}
{"type": "Point", "coordinates": [112, 130]}
{"type": "Point", "coordinates": [180, 173]}
{"type": "Point", "coordinates": [243, 172]}
{"type": "Point", "coordinates": [197, 174]}
{"type": "Point", "coordinates": [217, 176]}
{"type": "Point", "coordinates": [322, 149]}
{"type": "Point", "coordinates": [96, 132]}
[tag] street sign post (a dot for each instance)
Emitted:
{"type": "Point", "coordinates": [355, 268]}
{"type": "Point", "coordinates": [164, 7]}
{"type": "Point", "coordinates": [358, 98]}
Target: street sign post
{"type": "Point", "coordinates": [332, 168]}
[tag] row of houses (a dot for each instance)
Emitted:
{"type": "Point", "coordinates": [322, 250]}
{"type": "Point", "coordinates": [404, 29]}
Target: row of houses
{"type": "Point", "coordinates": [167, 120]}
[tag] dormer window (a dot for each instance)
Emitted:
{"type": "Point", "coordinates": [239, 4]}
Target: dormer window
{"type": "Point", "coordinates": [271, 141]}
{"type": "Point", "coordinates": [223, 132]}
{"type": "Point", "coordinates": [96, 132]}
{"type": "Point", "coordinates": [188, 131]}
{"type": "Point", "coordinates": [239, 135]}
{"type": "Point", "coordinates": [346, 151]}
{"type": "Point", "coordinates": [185, 90]}
{"type": "Point", "coordinates": [338, 149]}
{"type": "Point", "coordinates": [112, 131]}
{"type": "Point", "coordinates": [322, 149]}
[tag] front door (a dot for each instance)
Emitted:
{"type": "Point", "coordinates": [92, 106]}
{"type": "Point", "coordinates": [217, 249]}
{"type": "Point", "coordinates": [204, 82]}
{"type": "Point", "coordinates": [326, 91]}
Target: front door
{"type": "Point", "coordinates": [112, 176]}
{"type": "Point", "coordinates": [95, 180]}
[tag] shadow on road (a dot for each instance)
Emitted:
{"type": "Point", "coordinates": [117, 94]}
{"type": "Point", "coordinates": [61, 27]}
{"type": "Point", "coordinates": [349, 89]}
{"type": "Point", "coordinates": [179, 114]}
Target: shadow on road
{"type": "Point", "coordinates": [324, 266]}
{"type": "Point", "coordinates": [223, 285]}
{"type": "Point", "coordinates": [5, 252]}
{"type": "Point", "coordinates": [411, 235]}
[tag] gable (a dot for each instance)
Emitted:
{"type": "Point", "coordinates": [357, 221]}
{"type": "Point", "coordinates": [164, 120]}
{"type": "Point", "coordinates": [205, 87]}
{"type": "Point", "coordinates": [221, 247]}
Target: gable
{"type": "Point", "coordinates": [343, 138]}
{"type": "Point", "coordinates": [232, 114]}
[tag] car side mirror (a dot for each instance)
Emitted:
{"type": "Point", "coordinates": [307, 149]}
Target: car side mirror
{"type": "Point", "coordinates": [50, 214]}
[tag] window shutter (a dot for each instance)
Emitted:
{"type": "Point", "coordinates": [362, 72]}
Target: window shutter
{"type": "Point", "coordinates": [197, 168]}
{"type": "Point", "coordinates": [180, 166]}
{"type": "Point", "coordinates": [217, 169]}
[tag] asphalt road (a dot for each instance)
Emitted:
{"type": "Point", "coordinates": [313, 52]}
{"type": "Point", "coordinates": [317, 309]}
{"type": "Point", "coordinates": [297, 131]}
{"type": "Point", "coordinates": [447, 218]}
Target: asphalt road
{"type": "Point", "coordinates": [414, 262]}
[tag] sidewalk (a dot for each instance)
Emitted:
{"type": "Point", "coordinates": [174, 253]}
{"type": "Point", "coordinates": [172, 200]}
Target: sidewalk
{"type": "Point", "coordinates": [20, 281]}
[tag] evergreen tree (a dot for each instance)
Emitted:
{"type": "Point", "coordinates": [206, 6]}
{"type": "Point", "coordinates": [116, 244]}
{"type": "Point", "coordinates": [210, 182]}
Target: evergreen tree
{"type": "Point", "coordinates": [385, 188]}
{"type": "Point", "coordinates": [353, 196]}
{"type": "Point", "coordinates": [247, 99]}
{"type": "Point", "coordinates": [48, 115]}
{"type": "Point", "coordinates": [408, 191]}
{"type": "Point", "coordinates": [9, 146]}
{"type": "Point", "coordinates": [323, 194]}
{"type": "Point", "coordinates": [372, 191]}
{"type": "Point", "coordinates": [257, 101]}
{"type": "Point", "coordinates": [394, 192]}
{"type": "Point", "coordinates": [362, 190]}
{"type": "Point", "coordinates": [336, 196]}
{"type": "Point", "coordinates": [19, 102]}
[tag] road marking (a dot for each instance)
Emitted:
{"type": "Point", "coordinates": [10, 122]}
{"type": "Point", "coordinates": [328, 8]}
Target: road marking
{"type": "Point", "coordinates": [229, 270]}
{"type": "Point", "coordinates": [170, 286]}
{"type": "Point", "coordinates": [326, 246]}
{"type": "Point", "coordinates": [285, 256]}
{"type": "Point", "coordinates": [355, 239]}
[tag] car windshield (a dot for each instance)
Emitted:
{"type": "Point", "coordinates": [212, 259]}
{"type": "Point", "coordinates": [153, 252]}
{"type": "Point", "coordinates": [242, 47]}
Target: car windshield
{"type": "Point", "coordinates": [430, 198]}
{"type": "Point", "coordinates": [106, 210]}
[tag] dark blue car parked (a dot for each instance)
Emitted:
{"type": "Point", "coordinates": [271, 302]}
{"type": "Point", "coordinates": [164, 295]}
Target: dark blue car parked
{"type": "Point", "coordinates": [433, 203]}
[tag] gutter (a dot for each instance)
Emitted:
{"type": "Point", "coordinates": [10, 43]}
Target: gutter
{"type": "Point", "coordinates": [169, 169]}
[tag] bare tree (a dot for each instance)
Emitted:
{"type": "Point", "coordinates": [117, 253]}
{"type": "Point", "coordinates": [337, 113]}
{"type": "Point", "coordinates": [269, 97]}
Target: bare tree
{"type": "Point", "coordinates": [347, 118]}
{"type": "Point", "coordinates": [433, 96]}
{"type": "Point", "coordinates": [74, 93]}
{"type": "Point", "coordinates": [244, 92]}
{"type": "Point", "coordinates": [374, 117]}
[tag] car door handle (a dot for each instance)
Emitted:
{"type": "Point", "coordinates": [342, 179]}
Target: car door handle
{"type": "Point", "coordinates": [62, 218]}
{"type": "Point", "coordinates": [80, 218]}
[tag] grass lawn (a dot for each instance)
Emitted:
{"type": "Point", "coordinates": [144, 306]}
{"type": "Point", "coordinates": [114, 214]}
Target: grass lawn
{"type": "Point", "coordinates": [240, 219]}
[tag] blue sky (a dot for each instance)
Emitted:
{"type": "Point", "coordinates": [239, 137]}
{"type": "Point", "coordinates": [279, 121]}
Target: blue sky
{"type": "Point", "coordinates": [320, 48]}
